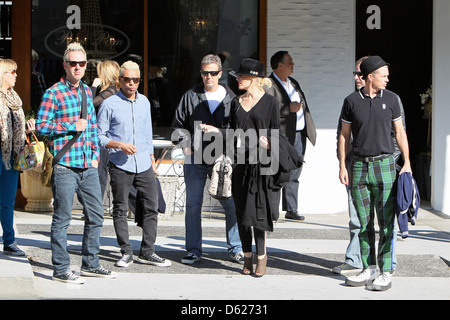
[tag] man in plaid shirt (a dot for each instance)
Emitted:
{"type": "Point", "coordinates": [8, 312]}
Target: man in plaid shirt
{"type": "Point", "coordinates": [59, 118]}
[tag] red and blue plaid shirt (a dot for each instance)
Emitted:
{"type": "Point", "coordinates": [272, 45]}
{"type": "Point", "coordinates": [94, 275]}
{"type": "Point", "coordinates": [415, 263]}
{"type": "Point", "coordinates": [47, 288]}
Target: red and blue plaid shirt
{"type": "Point", "coordinates": [59, 111]}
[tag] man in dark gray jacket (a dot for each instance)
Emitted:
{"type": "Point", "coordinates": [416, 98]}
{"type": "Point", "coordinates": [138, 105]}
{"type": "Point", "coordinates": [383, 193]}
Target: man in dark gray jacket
{"type": "Point", "coordinates": [296, 122]}
{"type": "Point", "coordinates": [207, 103]}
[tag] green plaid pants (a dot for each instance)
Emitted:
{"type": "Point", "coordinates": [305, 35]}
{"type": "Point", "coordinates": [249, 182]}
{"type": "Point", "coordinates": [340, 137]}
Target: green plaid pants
{"type": "Point", "coordinates": [372, 190]}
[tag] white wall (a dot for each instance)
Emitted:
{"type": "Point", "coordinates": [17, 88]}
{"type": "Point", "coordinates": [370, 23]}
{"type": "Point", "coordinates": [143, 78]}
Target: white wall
{"type": "Point", "coordinates": [440, 180]}
{"type": "Point", "coordinates": [319, 35]}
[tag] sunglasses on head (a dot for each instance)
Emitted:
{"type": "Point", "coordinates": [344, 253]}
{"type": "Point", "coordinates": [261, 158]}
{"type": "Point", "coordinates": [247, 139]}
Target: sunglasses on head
{"type": "Point", "coordinates": [357, 73]}
{"type": "Point", "coordinates": [74, 63]}
{"type": "Point", "coordinates": [128, 80]}
{"type": "Point", "coordinates": [212, 73]}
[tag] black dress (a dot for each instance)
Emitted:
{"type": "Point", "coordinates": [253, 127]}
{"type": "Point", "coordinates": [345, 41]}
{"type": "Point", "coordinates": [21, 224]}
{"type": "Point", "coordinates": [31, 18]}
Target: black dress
{"type": "Point", "coordinates": [256, 200]}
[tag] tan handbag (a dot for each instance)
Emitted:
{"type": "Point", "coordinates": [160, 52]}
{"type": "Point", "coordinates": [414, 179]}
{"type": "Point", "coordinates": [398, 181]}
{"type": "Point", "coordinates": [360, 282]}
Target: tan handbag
{"type": "Point", "coordinates": [31, 156]}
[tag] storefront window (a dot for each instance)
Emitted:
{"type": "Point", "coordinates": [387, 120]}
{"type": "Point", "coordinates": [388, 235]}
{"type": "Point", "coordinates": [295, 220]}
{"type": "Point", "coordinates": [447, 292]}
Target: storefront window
{"type": "Point", "coordinates": [5, 29]}
{"type": "Point", "coordinates": [107, 30]}
{"type": "Point", "coordinates": [180, 33]}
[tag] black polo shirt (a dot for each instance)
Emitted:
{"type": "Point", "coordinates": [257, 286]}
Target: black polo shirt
{"type": "Point", "coordinates": [371, 121]}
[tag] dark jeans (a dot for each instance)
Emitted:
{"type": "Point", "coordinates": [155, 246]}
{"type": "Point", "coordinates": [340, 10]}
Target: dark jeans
{"type": "Point", "coordinates": [103, 176]}
{"type": "Point", "coordinates": [145, 183]}
{"type": "Point", "coordinates": [195, 176]}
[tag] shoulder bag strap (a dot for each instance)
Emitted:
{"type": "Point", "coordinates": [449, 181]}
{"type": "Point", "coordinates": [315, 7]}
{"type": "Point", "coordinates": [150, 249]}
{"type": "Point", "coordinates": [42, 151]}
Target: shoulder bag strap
{"type": "Point", "coordinates": [78, 134]}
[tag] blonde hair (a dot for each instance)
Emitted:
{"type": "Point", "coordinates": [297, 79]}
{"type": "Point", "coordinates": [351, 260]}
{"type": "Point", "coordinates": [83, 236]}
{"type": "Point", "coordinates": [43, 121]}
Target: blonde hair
{"type": "Point", "coordinates": [262, 83]}
{"type": "Point", "coordinates": [129, 65]}
{"type": "Point", "coordinates": [5, 66]}
{"type": "Point", "coordinates": [108, 72]}
{"type": "Point", "coordinates": [74, 46]}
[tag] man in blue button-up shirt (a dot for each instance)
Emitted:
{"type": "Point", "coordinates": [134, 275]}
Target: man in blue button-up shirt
{"type": "Point", "coordinates": [125, 128]}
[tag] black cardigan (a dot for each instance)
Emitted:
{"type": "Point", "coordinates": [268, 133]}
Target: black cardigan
{"type": "Point", "coordinates": [257, 196]}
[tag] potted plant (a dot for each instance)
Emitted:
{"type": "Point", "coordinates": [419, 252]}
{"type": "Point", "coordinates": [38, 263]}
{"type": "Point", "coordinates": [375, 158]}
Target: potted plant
{"type": "Point", "coordinates": [34, 187]}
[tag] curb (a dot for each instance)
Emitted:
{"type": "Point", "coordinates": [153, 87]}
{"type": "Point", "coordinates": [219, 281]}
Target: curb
{"type": "Point", "coordinates": [16, 278]}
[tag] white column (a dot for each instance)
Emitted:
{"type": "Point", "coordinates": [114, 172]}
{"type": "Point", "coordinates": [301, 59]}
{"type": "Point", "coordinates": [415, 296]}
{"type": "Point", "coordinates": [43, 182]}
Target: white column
{"type": "Point", "coordinates": [440, 163]}
{"type": "Point", "coordinates": [320, 37]}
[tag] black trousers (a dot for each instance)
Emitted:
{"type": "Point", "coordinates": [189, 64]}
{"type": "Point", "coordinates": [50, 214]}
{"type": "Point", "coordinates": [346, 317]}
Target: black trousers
{"type": "Point", "coordinates": [145, 183]}
{"type": "Point", "coordinates": [246, 233]}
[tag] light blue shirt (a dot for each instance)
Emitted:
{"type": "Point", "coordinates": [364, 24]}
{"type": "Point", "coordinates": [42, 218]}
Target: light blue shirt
{"type": "Point", "coordinates": [125, 120]}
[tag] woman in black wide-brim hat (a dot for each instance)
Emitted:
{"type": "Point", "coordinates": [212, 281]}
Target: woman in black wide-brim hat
{"type": "Point", "coordinates": [255, 198]}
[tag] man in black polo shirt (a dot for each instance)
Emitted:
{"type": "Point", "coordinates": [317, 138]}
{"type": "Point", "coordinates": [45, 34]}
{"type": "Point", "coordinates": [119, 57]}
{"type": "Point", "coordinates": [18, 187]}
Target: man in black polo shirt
{"type": "Point", "coordinates": [369, 116]}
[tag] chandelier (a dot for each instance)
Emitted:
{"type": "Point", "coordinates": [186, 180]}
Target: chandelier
{"type": "Point", "coordinates": [96, 41]}
{"type": "Point", "coordinates": [203, 18]}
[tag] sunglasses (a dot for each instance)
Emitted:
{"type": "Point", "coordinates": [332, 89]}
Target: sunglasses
{"type": "Point", "coordinates": [12, 72]}
{"type": "Point", "coordinates": [74, 63]}
{"type": "Point", "coordinates": [128, 80]}
{"type": "Point", "coordinates": [357, 73]}
{"type": "Point", "coordinates": [212, 73]}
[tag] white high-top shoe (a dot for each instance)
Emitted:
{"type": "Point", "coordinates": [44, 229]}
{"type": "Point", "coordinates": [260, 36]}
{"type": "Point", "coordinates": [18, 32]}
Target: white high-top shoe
{"type": "Point", "coordinates": [365, 277]}
{"type": "Point", "coordinates": [381, 283]}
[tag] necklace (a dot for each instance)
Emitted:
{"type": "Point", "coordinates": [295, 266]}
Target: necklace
{"type": "Point", "coordinates": [255, 100]}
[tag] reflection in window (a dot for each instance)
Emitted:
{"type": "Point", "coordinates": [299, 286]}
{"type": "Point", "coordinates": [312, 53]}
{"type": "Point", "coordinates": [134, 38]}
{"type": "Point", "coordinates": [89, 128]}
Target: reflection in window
{"type": "Point", "coordinates": [180, 33]}
{"type": "Point", "coordinates": [107, 29]}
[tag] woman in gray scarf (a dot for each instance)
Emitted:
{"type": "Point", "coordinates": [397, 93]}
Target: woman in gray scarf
{"type": "Point", "coordinates": [12, 140]}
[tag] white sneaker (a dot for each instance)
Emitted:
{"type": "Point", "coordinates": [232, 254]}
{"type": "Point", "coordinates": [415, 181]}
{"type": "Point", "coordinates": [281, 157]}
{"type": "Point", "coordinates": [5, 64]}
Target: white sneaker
{"type": "Point", "coordinates": [365, 277]}
{"type": "Point", "coordinates": [381, 283]}
{"type": "Point", "coordinates": [125, 261]}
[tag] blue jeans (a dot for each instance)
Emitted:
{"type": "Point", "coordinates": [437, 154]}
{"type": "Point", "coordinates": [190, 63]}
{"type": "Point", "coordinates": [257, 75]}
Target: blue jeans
{"type": "Point", "coordinates": [8, 189]}
{"type": "Point", "coordinates": [85, 183]}
{"type": "Point", "coordinates": [195, 178]}
{"type": "Point", "coordinates": [353, 253]}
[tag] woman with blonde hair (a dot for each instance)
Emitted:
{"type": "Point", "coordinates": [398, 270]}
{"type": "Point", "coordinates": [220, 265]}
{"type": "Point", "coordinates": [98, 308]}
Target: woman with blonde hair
{"type": "Point", "coordinates": [108, 81]}
{"type": "Point", "coordinates": [255, 197]}
{"type": "Point", "coordinates": [12, 140]}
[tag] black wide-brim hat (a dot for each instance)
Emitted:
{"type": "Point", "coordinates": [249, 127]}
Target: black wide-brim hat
{"type": "Point", "coordinates": [250, 67]}
{"type": "Point", "coordinates": [371, 64]}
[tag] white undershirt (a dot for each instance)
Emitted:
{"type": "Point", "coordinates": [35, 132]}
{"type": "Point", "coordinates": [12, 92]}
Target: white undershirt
{"type": "Point", "coordinates": [215, 98]}
{"type": "Point", "coordinates": [294, 96]}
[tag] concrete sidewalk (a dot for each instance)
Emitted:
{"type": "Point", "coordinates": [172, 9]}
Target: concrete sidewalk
{"type": "Point", "coordinates": [300, 257]}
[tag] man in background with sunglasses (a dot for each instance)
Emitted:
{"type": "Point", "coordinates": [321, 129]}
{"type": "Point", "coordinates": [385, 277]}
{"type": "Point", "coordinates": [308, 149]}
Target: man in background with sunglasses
{"type": "Point", "coordinates": [208, 103]}
{"type": "Point", "coordinates": [352, 263]}
{"type": "Point", "coordinates": [125, 129]}
{"type": "Point", "coordinates": [61, 117]}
